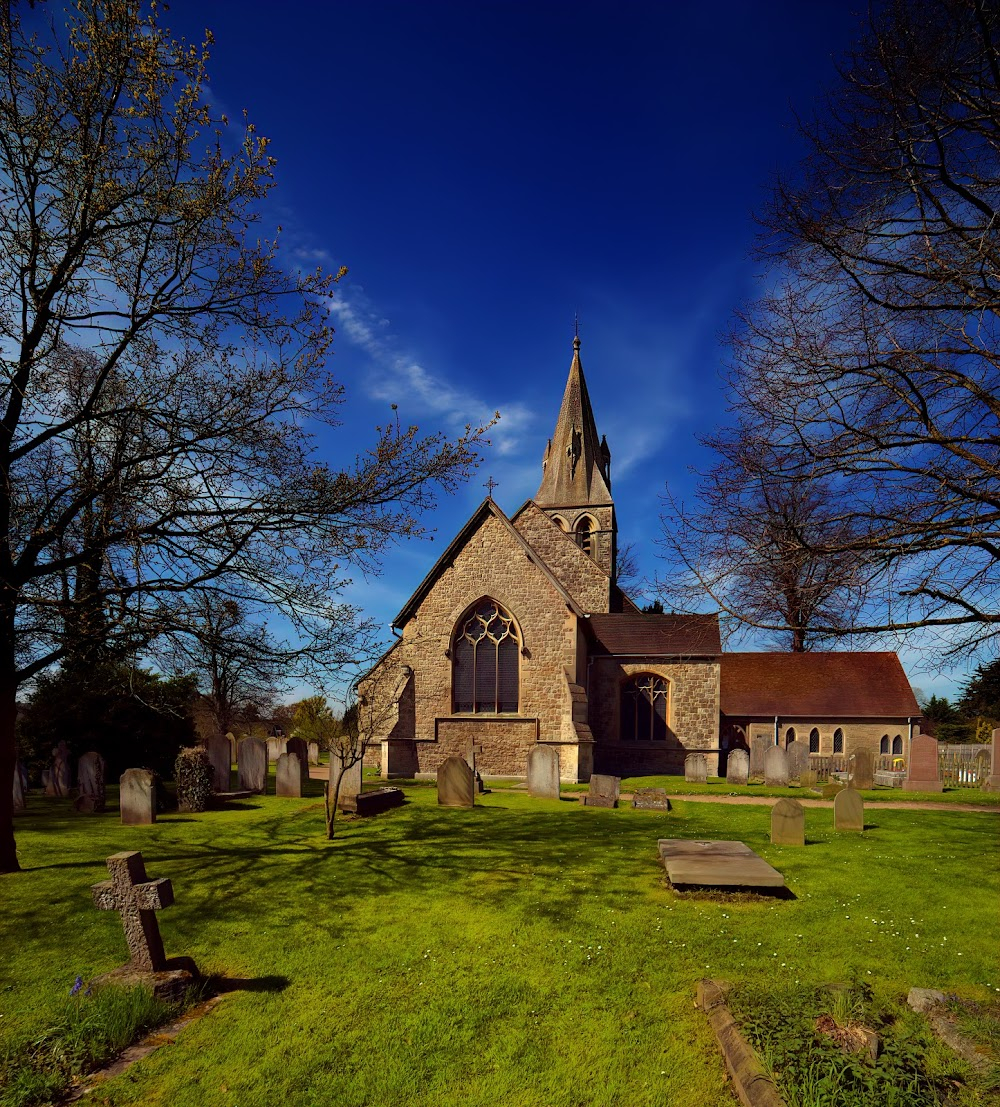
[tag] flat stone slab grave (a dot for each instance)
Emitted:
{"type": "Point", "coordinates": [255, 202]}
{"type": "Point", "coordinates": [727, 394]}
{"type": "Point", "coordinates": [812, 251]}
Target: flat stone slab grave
{"type": "Point", "coordinates": [716, 864]}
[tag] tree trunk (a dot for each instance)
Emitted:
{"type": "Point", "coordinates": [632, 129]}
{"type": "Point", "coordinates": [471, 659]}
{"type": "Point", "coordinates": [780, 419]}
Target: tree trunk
{"type": "Point", "coordinates": [8, 758]}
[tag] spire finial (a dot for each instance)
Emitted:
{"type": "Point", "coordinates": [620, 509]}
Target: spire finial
{"type": "Point", "coordinates": [576, 330]}
{"type": "Point", "coordinates": [491, 484]}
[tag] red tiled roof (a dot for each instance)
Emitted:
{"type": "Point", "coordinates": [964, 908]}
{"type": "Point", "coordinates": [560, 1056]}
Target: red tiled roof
{"type": "Point", "coordinates": [628, 635]}
{"type": "Point", "coordinates": [815, 684]}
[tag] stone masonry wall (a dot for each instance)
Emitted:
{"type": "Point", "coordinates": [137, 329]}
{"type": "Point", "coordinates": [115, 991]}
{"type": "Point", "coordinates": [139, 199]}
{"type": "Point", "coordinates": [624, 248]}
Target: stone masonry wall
{"type": "Point", "coordinates": [858, 733]}
{"type": "Point", "coordinates": [581, 576]}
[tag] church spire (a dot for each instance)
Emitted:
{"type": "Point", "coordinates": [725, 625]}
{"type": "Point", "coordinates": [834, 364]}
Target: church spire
{"type": "Point", "coordinates": [576, 470]}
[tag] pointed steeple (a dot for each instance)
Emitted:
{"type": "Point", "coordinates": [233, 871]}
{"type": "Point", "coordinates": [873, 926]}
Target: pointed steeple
{"type": "Point", "coordinates": [576, 469]}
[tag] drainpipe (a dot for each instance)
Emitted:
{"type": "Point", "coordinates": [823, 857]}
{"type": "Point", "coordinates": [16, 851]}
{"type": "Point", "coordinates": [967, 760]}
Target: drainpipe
{"type": "Point", "coordinates": [775, 729]}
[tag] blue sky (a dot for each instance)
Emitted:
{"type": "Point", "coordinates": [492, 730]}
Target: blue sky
{"type": "Point", "coordinates": [486, 170]}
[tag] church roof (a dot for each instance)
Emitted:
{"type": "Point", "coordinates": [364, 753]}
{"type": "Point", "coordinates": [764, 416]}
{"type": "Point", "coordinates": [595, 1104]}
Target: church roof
{"type": "Point", "coordinates": [627, 635]}
{"type": "Point", "coordinates": [487, 507]}
{"type": "Point", "coordinates": [815, 684]}
{"type": "Point", "coordinates": [577, 462]}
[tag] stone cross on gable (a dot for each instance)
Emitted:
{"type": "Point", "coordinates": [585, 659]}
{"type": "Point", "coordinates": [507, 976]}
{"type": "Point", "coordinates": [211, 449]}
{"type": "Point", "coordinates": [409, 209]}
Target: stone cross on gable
{"type": "Point", "coordinates": [135, 898]}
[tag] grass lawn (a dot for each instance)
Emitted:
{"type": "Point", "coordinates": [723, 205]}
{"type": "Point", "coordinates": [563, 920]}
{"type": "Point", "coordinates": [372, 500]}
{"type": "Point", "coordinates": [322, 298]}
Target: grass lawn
{"type": "Point", "coordinates": [525, 952]}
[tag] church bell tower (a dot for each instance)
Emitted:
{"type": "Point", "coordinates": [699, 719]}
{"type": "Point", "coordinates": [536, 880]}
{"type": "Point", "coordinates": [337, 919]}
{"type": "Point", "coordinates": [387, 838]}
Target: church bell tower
{"type": "Point", "coordinates": [576, 474]}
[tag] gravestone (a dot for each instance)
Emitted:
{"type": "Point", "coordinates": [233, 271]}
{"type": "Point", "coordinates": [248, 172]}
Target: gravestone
{"type": "Point", "coordinates": [543, 772]}
{"type": "Point", "coordinates": [137, 899]}
{"type": "Point", "coordinates": [798, 758]}
{"type": "Point", "coordinates": [472, 749]}
{"type": "Point", "coordinates": [219, 751]}
{"type": "Point", "coordinates": [738, 767]}
{"type": "Point", "coordinates": [831, 789]}
{"type": "Point", "coordinates": [314, 753]}
{"type": "Point", "coordinates": [90, 781]}
{"type": "Point", "coordinates": [993, 780]}
{"type": "Point", "coordinates": [923, 774]}
{"type": "Point", "coordinates": [716, 864]}
{"type": "Point", "coordinates": [758, 752]}
{"type": "Point", "coordinates": [61, 776]}
{"type": "Point", "coordinates": [775, 766]}
{"type": "Point", "coordinates": [288, 776]}
{"type": "Point", "coordinates": [604, 791]}
{"type": "Point", "coordinates": [848, 810]}
{"type": "Point", "coordinates": [456, 783]}
{"type": "Point", "coordinates": [861, 770]}
{"type": "Point", "coordinates": [137, 797]}
{"type": "Point", "coordinates": [275, 748]}
{"type": "Point", "coordinates": [807, 778]}
{"type": "Point", "coordinates": [350, 778]}
{"type": "Point", "coordinates": [300, 748]}
{"type": "Point", "coordinates": [251, 762]}
{"type": "Point", "coordinates": [20, 792]}
{"type": "Point", "coordinates": [650, 799]}
{"type": "Point", "coordinates": [696, 768]}
{"type": "Point", "coordinates": [788, 822]}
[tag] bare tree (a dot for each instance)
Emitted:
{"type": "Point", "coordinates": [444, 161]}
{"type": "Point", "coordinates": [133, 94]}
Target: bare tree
{"type": "Point", "coordinates": [873, 359]}
{"type": "Point", "coordinates": [128, 229]}
{"type": "Point", "coordinates": [754, 546]}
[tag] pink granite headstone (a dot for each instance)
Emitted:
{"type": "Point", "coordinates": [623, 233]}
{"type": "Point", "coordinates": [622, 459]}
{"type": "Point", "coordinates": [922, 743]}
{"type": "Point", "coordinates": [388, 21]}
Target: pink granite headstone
{"type": "Point", "coordinates": [993, 781]}
{"type": "Point", "coordinates": [922, 771]}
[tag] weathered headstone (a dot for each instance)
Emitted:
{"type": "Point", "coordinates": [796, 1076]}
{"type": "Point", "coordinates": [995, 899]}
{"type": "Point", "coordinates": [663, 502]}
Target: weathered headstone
{"type": "Point", "coordinates": [300, 747]}
{"type": "Point", "coordinates": [775, 766]}
{"type": "Point", "coordinates": [738, 767]}
{"type": "Point", "coordinates": [807, 778]}
{"type": "Point", "coordinates": [20, 796]}
{"type": "Point", "coordinates": [275, 748]}
{"type": "Point", "coordinates": [288, 776]}
{"type": "Point", "coordinates": [314, 753]}
{"type": "Point", "coordinates": [456, 783]}
{"type": "Point", "coordinates": [60, 779]}
{"type": "Point", "coordinates": [993, 780]}
{"type": "Point", "coordinates": [758, 751]}
{"type": "Point", "coordinates": [252, 766]}
{"type": "Point", "coordinates": [543, 772]}
{"type": "Point", "coordinates": [848, 810]}
{"type": "Point", "coordinates": [350, 778]}
{"type": "Point", "coordinates": [219, 751]}
{"type": "Point", "coordinates": [604, 791]}
{"type": "Point", "coordinates": [923, 773]}
{"type": "Point", "coordinates": [861, 770]}
{"type": "Point", "coordinates": [788, 823]}
{"type": "Point", "coordinates": [798, 758]}
{"type": "Point", "coordinates": [472, 750]}
{"type": "Point", "coordinates": [831, 789]}
{"type": "Point", "coordinates": [650, 799]}
{"type": "Point", "coordinates": [90, 781]}
{"type": "Point", "coordinates": [137, 797]}
{"type": "Point", "coordinates": [696, 768]}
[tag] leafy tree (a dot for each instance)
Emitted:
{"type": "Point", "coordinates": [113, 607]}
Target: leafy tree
{"type": "Point", "coordinates": [654, 607]}
{"type": "Point", "coordinates": [314, 720]}
{"type": "Point", "coordinates": [981, 694]}
{"type": "Point", "coordinates": [872, 360]}
{"type": "Point", "coordinates": [128, 231]}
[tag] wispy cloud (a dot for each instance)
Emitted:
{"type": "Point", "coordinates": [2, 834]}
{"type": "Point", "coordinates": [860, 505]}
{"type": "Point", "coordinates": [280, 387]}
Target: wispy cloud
{"type": "Point", "coordinates": [400, 377]}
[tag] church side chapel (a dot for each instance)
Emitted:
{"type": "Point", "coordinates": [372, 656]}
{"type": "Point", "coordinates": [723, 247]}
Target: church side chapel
{"type": "Point", "coordinates": [519, 636]}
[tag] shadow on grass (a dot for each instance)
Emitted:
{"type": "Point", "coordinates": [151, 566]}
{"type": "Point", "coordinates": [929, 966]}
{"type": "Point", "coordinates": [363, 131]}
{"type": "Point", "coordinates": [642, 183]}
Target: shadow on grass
{"type": "Point", "coordinates": [222, 985]}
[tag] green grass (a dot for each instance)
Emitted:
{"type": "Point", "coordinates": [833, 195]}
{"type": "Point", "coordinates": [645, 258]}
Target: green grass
{"type": "Point", "coordinates": [525, 952]}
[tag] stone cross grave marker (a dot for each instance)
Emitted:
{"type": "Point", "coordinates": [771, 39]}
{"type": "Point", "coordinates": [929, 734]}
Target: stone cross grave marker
{"type": "Point", "coordinates": [758, 751]}
{"type": "Point", "coordinates": [848, 810]}
{"type": "Point", "coordinates": [604, 791]}
{"type": "Point", "coordinates": [136, 899]}
{"type": "Point", "coordinates": [775, 766]}
{"type": "Point", "coordinates": [288, 776]}
{"type": "Point", "coordinates": [543, 772]}
{"type": "Point", "coordinates": [20, 797]}
{"type": "Point", "coordinates": [798, 758]}
{"type": "Point", "coordinates": [300, 747]}
{"type": "Point", "coordinates": [862, 773]}
{"type": "Point", "coordinates": [219, 752]}
{"type": "Point", "coordinates": [251, 761]}
{"type": "Point", "coordinates": [738, 767]}
{"type": "Point", "coordinates": [923, 774]}
{"type": "Point", "coordinates": [788, 822]}
{"type": "Point", "coordinates": [137, 797]}
{"type": "Point", "coordinates": [993, 782]}
{"type": "Point", "coordinates": [90, 780]}
{"type": "Point", "coordinates": [696, 768]}
{"type": "Point", "coordinates": [456, 781]}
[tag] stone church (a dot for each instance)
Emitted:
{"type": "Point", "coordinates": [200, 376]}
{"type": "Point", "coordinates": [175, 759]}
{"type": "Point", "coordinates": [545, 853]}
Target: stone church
{"type": "Point", "coordinates": [519, 635]}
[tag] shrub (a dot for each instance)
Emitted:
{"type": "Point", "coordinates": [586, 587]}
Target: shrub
{"type": "Point", "coordinates": [193, 773]}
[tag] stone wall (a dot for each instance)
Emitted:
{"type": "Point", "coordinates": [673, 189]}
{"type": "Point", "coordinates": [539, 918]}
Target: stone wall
{"type": "Point", "coordinates": [580, 575]}
{"type": "Point", "coordinates": [858, 733]}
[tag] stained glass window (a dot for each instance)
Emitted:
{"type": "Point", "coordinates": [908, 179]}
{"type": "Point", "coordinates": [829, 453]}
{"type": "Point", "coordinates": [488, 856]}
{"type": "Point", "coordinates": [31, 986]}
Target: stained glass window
{"type": "Point", "coordinates": [644, 709]}
{"type": "Point", "coordinates": [486, 661]}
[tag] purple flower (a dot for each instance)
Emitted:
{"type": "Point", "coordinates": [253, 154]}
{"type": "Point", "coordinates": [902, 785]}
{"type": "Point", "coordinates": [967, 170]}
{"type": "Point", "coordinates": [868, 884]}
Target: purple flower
{"type": "Point", "coordinates": [77, 985]}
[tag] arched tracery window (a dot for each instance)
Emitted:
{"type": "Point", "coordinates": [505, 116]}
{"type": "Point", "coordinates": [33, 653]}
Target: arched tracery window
{"type": "Point", "coordinates": [883, 746]}
{"type": "Point", "coordinates": [838, 741]}
{"type": "Point", "coordinates": [559, 521]}
{"type": "Point", "coordinates": [486, 661]}
{"type": "Point", "coordinates": [644, 709]}
{"type": "Point", "coordinates": [585, 535]}
{"type": "Point", "coordinates": [897, 744]}
{"type": "Point", "coordinates": [814, 740]}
